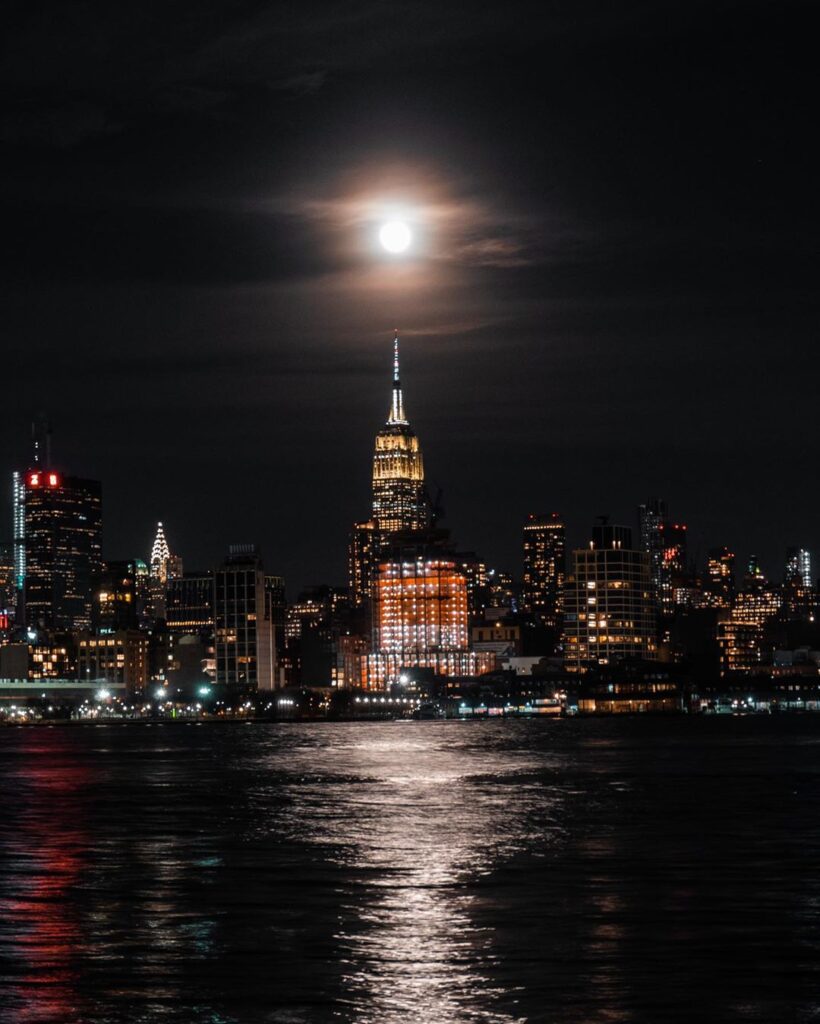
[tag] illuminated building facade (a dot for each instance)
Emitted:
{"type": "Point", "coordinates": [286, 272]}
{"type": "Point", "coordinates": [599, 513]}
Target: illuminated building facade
{"type": "Point", "coordinates": [502, 590]}
{"type": "Point", "coordinates": [160, 554]}
{"type": "Point", "coordinates": [544, 568]}
{"type": "Point", "coordinates": [115, 605]}
{"type": "Point", "coordinates": [799, 595]}
{"type": "Point", "coordinates": [320, 645]}
{"type": "Point", "coordinates": [719, 584]}
{"type": "Point", "coordinates": [501, 637]}
{"type": "Point", "coordinates": [189, 604]}
{"type": "Point", "coordinates": [58, 547]}
{"type": "Point", "coordinates": [115, 659]}
{"type": "Point", "coordinates": [244, 636]}
{"type": "Point", "coordinates": [475, 572]}
{"type": "Point", "coordinates": [421, 621]}
{"type": "Point", "coordinates": [675, 582]}
{"type": "Point", "coordinates": [652, 517]}
{"type": "Point", "coordinates": [400, 501]}
{"type": "Point", "coordinates": [608, 602]}
{"type": "Point", "coordinates": [39, 659]}
{"type": "Point", "coordinates": [8, 588]}
{"type": "Point", "coordinates": [798, 567]}
{"type": "Point", "coordinates": [741, 632]}
{"type": "Point", "coordinates": [362, 559]}
{"type": "Point", "coordinates": [164, 566]}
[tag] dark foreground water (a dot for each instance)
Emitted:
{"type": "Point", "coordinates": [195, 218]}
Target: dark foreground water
{"type": "Point", "coordinates": [572, 871]}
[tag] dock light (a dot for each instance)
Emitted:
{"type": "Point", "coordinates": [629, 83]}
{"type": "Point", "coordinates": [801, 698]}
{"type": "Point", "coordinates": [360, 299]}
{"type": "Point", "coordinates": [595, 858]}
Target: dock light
{"type": "Point", "coordinates": [161, 693]}
{"type": "Point", "coordinates": [204, 691]}
{"type": "Point", "coordinates": [103, 695]}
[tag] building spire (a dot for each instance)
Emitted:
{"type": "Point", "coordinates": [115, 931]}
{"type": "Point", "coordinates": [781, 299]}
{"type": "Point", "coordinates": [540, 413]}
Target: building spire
{"type": "Point", "coordinates": [160, 555]}
{"type": "Point", "coordinates": [397, 405]}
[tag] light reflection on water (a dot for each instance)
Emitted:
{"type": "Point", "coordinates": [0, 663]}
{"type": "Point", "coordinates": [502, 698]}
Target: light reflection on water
{"type": "Point", "coordinates": [594, 871]}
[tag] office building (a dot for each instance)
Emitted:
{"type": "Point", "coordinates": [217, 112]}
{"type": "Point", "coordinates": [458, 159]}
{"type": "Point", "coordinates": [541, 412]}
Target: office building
{"type": "Point", "coordinates": [362, 559]}
{"type": "Point", "coordinates": [58, 548]}
{"type": "Point", "coordinates": [421, 620]}
{"type": "Point", "coordinates": [742, 630]}
{"type": "Point", "coordinates": [652, 518]}
{"type": "Point", "coordinates": [798, 568]}
{"type": "Point", "coordinates": [115, 604]}
{"type": "Point", "coordinates": [544, 569]}
{"type": "Point", "coordinates": [400, 499]}
{"type": "Point", "coordinates": [114, 659]}
{"type": "Point", "coordinates": [189, 604]}
{"type": "Point", "coordinates": [608, 602]}
{"type": "Point", "coordinates": [719, 583]}
{"type": "Point", "coordinates": [244, 636]}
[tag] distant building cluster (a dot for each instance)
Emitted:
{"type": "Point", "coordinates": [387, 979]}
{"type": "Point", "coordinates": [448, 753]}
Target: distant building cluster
{"type": "Point", "coordinates": [633, 620]}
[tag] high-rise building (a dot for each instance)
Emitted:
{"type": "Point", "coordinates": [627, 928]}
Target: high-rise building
{"type": "Point", "coordinates": [362, 558]}
{"type": "Point", "coordinates": [58, 548]}
{"type": "Point", "coordinates": [400, 499]}
{"type": "Point", "coordinates": [160, 553]}
{"type": "Point", "coordinates": [164, 566]}
{"type": "Point", "coordinates": [799, 595]}
{"type": "Point", "coordinates": [114, 659]}
{"type": "Point", "coordinates": [652, 518]}
{"type": "Point", "coordinates": [719, 584]}
{"type": "Point", "coordinates": [798, 567]}
{"type": "Point", "coordinates": [741, 631]}
{"type": "Point", "coordinates": [544, 568]}
{"type": "Point", "coordinates": [276, 609]}
{"type": "Point", "coordinates": [245, 641]}
{"type": "Point", "coordinates": [676, 580]}
{"type": "Point", "coordinates": [319, 640]}
{"type": "Point", "coordinates": [608, 606]}
{"type": "Point", "coordinates": [421, 618]}
{"type": "Point", "coordinates": [114, 604]}
{"type": "Point", "coordinates": [189, 604]}
{"type": "Point", "coordinates": [475, 572]}
{"type": "Point", "coordinates": [8, 588]}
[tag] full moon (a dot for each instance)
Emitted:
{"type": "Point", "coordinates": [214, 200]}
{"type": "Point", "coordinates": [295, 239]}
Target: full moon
{"type": "Point", "coordinates": [395, 236]}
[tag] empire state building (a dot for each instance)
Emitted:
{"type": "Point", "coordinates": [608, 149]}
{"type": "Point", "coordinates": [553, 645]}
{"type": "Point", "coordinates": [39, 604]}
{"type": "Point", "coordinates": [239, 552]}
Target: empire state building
{"type": "Point", "coordinates": [400, 500]}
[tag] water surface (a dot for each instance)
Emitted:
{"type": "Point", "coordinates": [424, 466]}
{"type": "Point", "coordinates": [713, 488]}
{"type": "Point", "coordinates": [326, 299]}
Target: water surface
{"type": "Point", "coordinates": [581, 871]}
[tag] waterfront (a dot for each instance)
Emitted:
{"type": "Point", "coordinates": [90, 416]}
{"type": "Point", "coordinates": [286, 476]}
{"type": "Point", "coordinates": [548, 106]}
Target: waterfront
{"type": "Point", "coordinates": [639, 869]}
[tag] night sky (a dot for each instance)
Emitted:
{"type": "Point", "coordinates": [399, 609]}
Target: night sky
{"type": "Point", "coordinates": [611, 294]}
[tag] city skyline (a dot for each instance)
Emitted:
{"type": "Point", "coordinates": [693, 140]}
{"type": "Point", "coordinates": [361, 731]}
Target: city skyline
{"type": "Point", "coordinates": [609, 295]}
{"type": "Point", "coordinates": [696, 554]}
{"type": "Point", "coordinates": [410, 579]}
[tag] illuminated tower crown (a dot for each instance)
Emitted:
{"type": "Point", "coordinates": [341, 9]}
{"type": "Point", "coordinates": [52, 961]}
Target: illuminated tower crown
{"type": "Point", "coordinates": [160, 553]}
{"type": "Point", "coordinates": [399, 498]}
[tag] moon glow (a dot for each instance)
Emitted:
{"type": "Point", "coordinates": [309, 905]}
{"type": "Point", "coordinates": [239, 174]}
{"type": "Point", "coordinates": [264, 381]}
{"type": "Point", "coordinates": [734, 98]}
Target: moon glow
{"type": "Point", "coordinates": [395, 236]}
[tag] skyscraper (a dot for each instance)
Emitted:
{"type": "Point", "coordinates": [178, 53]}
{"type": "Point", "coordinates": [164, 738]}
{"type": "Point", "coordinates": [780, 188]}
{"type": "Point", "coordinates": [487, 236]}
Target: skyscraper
{"type": "Point", "coordinates": [400, 500]}
{"type": "Point", "coordinates": [798, 567]}
{"type": "Point", "coordinates": [58, 547]}
{"type": "Point", "coordinates": [160, 553]}
{"type": "Point", "coordinates": [115, 605]}
{"type": "Point", "coordinates": [799, 596]}
{"type": "Point", "coordinates": [362, 557]}
{"type": "Point", "coordinates": [651, 520]}
{"type": "Point", "coordinates": [719, 585]}
{"type": "Point", "coordinates": [421, 618]}
{"type": "Point", "coordinates": [189, 604]}
{"type": "Point", "coordinates": [245, 641]}
{"type": "Point", "coordinates": [608, 607]}
{"type": "Point", "coordinates": [544, 568]}
{"type": "Point", "coordinates": [164, 566]}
